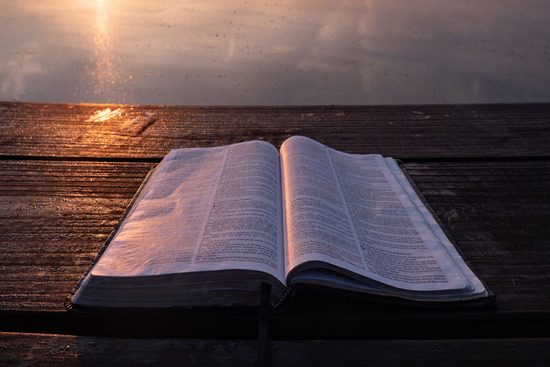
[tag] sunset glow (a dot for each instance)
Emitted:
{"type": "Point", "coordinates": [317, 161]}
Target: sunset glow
{"type": "Point", "coordinates": [102, 68]}
{"type": "Point", "coordinates": [234, 52]}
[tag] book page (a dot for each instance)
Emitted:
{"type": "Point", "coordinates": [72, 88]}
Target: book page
{"type": "Point", "coordinates": [431, 222]}
{"type": "Point", "coordinates": [204, 209]}
{"type": "Point", "coordinates": [318, 225]}
{"type": "Point", "coordinates": [350, 211]}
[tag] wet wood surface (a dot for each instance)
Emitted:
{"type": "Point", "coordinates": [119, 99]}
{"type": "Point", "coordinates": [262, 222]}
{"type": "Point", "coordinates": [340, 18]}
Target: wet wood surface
{"type": "Point", "coordinates": [69, 171]}
{"type": "Point", "coordinates": [406, 132]}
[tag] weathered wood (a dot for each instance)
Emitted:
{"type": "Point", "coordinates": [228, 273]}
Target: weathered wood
{"type": "Point", "coordinates": [50, 236]}
{"type": "Point", "coordinates": [67, 174]}
{"type": "Point", "coordinates": [437, 131]}
{"type": "Point", "coordinates": [56, 216]}
{"type": "Point", "coordinates": [38, 350]}
{"type": "Point", "coordinates": [499, 213]}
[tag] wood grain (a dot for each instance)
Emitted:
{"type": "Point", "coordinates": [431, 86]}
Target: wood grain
{"type": "Point", "coordinates": [406, 132]}
{"type": "Point", "coordinates": [67, 172]}
{"type": "Point", "coordinates": [54, 218]}
{"type": "Point", "coordinates": [56, 215]}
{"type": "Point", "coordinates": [65, 350]}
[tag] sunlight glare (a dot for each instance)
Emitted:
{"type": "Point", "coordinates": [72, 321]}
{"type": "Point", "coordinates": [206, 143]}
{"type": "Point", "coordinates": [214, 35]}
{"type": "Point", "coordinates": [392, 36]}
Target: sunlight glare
{"type": "Point", "coordinates": [104, 115]}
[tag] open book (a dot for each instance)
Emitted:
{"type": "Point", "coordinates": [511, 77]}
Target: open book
{"type": "Point", "coordinates": [211, 224]}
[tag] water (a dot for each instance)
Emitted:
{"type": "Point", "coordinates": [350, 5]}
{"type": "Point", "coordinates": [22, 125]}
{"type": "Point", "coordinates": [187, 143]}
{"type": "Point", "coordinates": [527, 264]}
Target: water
{"type": "Point", "coordinates": [235, 52]}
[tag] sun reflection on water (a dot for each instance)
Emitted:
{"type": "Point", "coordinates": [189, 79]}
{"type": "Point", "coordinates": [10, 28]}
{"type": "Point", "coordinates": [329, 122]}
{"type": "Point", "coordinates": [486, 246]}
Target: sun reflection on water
{"type": "Point", "coordinates": [236, 52]}
{"type": "Point", "coordinates": [105, 69]}
{"type": "Point", "coordinates": [102, 70]}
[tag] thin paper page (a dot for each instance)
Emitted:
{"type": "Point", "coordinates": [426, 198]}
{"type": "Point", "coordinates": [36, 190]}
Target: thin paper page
{"type": "Point", "coordinates": [349, 210]}
{"type": "Point", "coordinates": [244, 228]}
{"type": "Point", "coordinates": [193, 215]}
{"type": "Point", "coordinates": [434, 226]}
{"type": "Point", "coordinates": [398, 246]}
{"type": "Point", "coordinates": [318, 224]}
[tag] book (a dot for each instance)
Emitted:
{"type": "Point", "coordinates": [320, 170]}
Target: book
{"type": "Point", "coordinates": [209, 226]}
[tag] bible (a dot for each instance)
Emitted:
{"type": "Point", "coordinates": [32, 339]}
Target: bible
{"type": "Point", "coordinates": [209, 226]}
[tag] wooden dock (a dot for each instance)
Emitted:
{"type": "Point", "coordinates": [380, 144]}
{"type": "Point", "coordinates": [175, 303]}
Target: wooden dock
{"type": "Point", "coordinates": [69, 171]}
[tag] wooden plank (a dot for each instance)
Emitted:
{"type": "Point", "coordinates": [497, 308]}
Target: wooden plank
{"type": "Point", "coordinates": [38, 349]}
{"type": "Point", "coordinates": [54, 218]}
{"type": "Point", "coordinates": [73, 171]}
{"type": "Point", "coordinates": [498, 212]}
{"type": "Point", "coordinates": [49, 236]}
{"type": "Point", "coordinates": [407, 132]}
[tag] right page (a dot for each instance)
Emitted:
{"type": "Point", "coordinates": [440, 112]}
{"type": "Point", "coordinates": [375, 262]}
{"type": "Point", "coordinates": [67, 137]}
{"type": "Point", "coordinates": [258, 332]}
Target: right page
{"type": "Point", "coordinates": [357, 214]}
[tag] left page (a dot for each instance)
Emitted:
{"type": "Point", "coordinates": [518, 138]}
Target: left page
{"type": "Point", "coordinates": [204, 209]}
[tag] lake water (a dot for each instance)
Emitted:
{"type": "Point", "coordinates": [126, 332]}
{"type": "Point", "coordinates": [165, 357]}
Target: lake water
{"type": "Point", "coordinates": [214, 52]}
